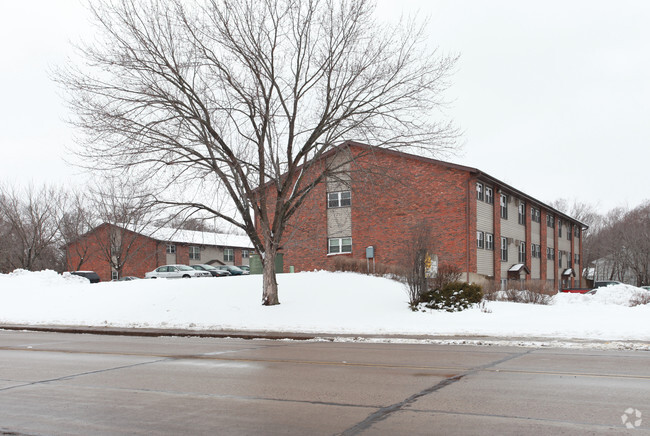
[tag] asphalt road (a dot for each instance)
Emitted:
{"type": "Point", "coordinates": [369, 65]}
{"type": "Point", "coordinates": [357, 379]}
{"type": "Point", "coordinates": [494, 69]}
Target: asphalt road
{"type": "Point", "coordinates": [71, 384]}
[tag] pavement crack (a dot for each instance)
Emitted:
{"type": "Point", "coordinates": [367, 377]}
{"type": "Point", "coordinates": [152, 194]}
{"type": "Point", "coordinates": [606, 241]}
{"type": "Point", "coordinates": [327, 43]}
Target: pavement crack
{"type": "Point", "coordinates": [385, 412]}
{"type": "Point", "coordinates": [81, 374]}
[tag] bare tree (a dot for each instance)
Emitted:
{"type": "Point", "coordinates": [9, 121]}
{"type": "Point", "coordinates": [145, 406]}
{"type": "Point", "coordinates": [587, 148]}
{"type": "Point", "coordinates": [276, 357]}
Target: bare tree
{"type": "Point", "coordinates": [418, 249]}
{"type": "Point", "coordinates": [29, 226]}
{"type": "Point", "coordinates": [234, 95]}
{"type": "Point", "coordinates": [75, 221]}
{"type": "Point", "coordinates": [122, 214]}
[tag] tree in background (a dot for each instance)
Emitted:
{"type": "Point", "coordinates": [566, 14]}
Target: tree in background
{"type": "Point", "coordinates": [29, 228]}
{"type": "Point", "coordinates": [74, 222]}
{"type": "Point", "coordinates": [233, 95]}
{"type": "Point", "coordinates": [122, 213]}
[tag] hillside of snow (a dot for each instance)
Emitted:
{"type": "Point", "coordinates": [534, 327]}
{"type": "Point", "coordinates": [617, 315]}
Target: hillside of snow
{"type": "Point", "coordinates": [312, 302]}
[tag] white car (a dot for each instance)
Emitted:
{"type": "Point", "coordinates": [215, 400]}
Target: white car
{"type": "Point", "coordinates": [175, 272]}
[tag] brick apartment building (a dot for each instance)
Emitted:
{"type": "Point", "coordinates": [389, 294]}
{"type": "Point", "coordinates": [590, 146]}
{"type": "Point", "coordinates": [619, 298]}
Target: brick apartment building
{"type": "Point", "coordinates": [148, 248]}
{"type": "Point", "coordinates": [483, 227]}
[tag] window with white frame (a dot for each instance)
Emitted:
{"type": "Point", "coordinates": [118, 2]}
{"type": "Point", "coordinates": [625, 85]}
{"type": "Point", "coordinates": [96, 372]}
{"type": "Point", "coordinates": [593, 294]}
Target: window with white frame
{"type": "Point", "coordinates": [576, 231]}
{"type": "Point", "coordinates": [576, 258]}
{"type": "Point", "coordinates": [522, 213]}
{"type": "Point", "coordinates": [550, 221]}
{"type": "Point", "coordinates": [114, 275]}
{"type": "Point", "coordinates": [228, 254]}
{"type": "Point", "coordinates": [559, 258]}
{"type": "Point", "coordinates": [522, 252]}
{"type": "Point", "coordinates": [535, 251]}
{"type": "Point", "coordinates": [550, 253]}
{"type": "Point", "coordinates": [504, 249]}
{"type": "Point", "coordinates": [479, 191]}
{"type": "Point", "coordinates": [568, 231]}
{"type": "Point", "coordinates": [338, 199]}
{"type": "Point", "coordinates": [171, 249]}
{"type": "Point", "coordinates": [535, 215]}
{"type": "Point", "coordinates": [489, 241]}
{"type": "Point", "coordinates": [503, 202]}
{"type": "Point", "coordinates": [489, 195]}
{"type": "Point", "coordinates": [195, 252]}
{"type": "Point", "coordinates": [339, 245]}
{"type": "Point", "coordinates": [480, 239]}
{"type": "Point", "coordinates": [244, 254]}
{"type": "Point", "coordinates": [559, 228]}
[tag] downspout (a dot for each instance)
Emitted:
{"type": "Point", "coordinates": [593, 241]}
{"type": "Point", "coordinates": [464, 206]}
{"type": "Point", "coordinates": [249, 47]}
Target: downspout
{"type": "Point", "coordinates": [468, 209]}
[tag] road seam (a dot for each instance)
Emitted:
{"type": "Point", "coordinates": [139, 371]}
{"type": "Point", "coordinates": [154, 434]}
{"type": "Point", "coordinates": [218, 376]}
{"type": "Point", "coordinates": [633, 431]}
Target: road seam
{"type": "Point", "coordinates": [385, 412]}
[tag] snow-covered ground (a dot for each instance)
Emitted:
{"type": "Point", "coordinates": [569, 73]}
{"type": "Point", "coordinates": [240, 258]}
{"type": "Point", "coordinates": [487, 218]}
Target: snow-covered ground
{"type": "Point", "coordinates": [314, 302]}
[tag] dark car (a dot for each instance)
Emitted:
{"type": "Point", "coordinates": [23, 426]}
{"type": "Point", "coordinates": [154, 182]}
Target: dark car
{"type": "Point", "coordinates": [127, 279]}
{"type": "Point", "coordinates": [233, 270]}
{"type": "Point", "coordinates": [216, 272]}
{"type": "Point", "coordinates": [90, 275]}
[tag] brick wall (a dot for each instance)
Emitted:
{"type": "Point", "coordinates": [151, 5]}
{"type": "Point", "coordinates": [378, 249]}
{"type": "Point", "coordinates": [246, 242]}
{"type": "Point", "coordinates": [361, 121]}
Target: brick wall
{"type": "Point", "coordinates": [391, 195]}
{"type": "Point", "coordinates": [142, 254]}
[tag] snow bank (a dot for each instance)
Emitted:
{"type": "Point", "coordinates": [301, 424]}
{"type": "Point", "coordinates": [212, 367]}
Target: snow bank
{"type": "Point", "coordinates": [314, 302]}
{"type": "Point", "coordinates": [620, 295]}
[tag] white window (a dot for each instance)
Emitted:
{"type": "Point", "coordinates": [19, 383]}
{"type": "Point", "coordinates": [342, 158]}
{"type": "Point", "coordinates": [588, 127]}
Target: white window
{"type": "Point", "coordinates": [479, 191]}
{"type": "Point", "coordinates": [171, 249]}
{"type": "Point", "coordinates": [339, 245]}
{"type": "Point", "coordinates": [504, 249]}
{"type": "Point", "coordinates": [339, 199]}
{"type": "Point", "coordinates": [489, 241]}
{"type": "Point", "coordinates": [550, 221]}
{"type": "Point", "coordinates": [489, 195]}
{"type": "Point", "coordinates": [522, 213]}
{"type": "Point", "coordinates": [522, 252]}
{"type": "Point", "coordinates": [195, 252]}
{"type": "Point", "coordinates": [228, 255]}
{"type": "Point", "coordinates": [114, 275]}
{"type": "Point", "coordinates": [480, 239]}
{"type": "Point", "coordinates": [244, 254]}
{"type": "Point", "coordinates": [535, 215]}
{"type": "Point", "coordinates": [504, 206]}
{"type": "Point", "coordinates": [559, 259]}
{"type": "Point", "coordinates": [550, 253]}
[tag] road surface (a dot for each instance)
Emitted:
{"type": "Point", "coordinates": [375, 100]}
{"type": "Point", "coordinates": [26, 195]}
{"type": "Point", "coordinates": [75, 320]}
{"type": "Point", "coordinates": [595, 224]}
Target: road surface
{"type": "Point", "coordinates": [77, 384]}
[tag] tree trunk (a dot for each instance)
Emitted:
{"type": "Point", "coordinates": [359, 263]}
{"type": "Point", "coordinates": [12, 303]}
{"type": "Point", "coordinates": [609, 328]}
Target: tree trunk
{"type": "Point", "coordinates": [270, 295]}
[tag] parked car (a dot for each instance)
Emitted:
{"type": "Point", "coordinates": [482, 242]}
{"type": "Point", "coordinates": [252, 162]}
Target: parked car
{"type": "Point", "coordinates": [215, 272]}
{"type": "Point", "coordinates": [127, 279]}
{"type": "Point", "coordinates": [244, 267]}
{"type": "Point", "coordinates": [176, 272]}
{"type": "Point", "coordinates": [606, 283]}
{"type": "Point", "coordinates": [647, 288]}
{"type": "Point", "coordinates": [233, 270]}
{"type": "Point", "coordinates": [90, 275]}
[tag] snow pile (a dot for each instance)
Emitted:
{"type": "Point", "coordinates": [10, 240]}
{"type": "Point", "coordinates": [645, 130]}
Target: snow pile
{"type": "Point", "coordinates": [311, 303]}
{"type": "Point", "coordinates": [621, 295]}
{"type": "Point", "coordinates": [21, 278]}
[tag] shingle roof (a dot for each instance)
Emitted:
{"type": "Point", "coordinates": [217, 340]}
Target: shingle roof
{"type": "Point", "coordinates": [167, 234]}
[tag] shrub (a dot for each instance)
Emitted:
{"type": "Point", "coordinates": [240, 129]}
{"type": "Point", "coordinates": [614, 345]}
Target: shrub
{"type": "Point", "coordinates": [529, 292]}
{"type": "Point", "coordinates": [446, 274]}
{"type": "Point", "coordinates": [491, 290]}
{"type": "Point", "coordinates": [349, 264]}
{"type": "Point", "coordinates": [640, 298]}
{"type": "Point", "coordinates": [453, 297]}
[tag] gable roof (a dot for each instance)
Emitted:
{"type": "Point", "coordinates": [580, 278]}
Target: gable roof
{"type": "Point", "coordinates": [167, 234]}
{"type": "Point", "coordinates": [480, 174]}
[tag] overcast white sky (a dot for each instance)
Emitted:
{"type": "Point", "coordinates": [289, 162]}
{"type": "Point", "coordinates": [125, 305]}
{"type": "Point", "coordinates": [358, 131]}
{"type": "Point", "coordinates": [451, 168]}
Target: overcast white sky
{"type": "Point", "coordinates": [553, 96]}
